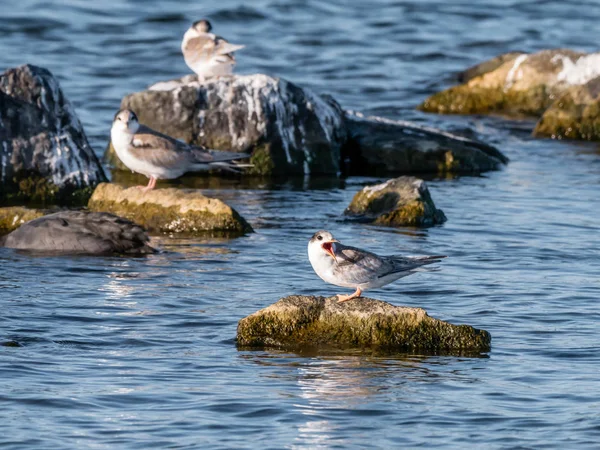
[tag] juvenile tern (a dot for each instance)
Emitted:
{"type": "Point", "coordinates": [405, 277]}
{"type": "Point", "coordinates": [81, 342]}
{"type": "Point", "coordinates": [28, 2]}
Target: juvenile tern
{"type": "Point", "coordinates": [351, 267]}
{"type": "Point", "coordinates": [207, 54]}
{"type": "Point", "coordinates": [158, 156]}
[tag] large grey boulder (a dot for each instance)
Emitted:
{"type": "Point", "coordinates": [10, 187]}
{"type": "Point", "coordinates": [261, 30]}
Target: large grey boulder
{"type": "Point", "coordinates": [297, 322]}
{"type": "Point", "coordinates": [44, 153]}
{"type": "Point", "coordinates": [379, 146]}
{"type": "Point", "coordinates": [402, 201]}
{"type": "Point", "coordinates": [287, 129]}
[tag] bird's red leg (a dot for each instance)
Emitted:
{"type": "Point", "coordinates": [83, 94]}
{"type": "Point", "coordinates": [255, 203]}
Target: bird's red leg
{"type": "Point", "coordinates": [344, 298]}
{"type": "Point", "coordinates": [150, 186]}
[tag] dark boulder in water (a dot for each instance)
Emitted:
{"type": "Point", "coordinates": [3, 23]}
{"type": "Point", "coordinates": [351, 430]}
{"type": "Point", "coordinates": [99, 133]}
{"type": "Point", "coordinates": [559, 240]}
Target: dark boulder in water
{"type": "Point", "coordinates": [45, 156]}
{"type": "Point", "coordinates": [80, 232]}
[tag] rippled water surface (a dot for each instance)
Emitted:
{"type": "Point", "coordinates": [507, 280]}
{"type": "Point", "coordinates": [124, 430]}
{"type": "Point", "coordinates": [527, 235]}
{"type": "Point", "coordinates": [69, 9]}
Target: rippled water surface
{"type": "Point", "coordinates": [140, 353]}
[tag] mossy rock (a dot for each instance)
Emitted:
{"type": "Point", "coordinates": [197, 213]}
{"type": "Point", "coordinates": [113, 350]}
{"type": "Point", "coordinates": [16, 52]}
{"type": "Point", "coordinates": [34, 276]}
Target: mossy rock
{"type": "Point", "coordinates": [518, 85]}
{"type": "Point", "coordinates": [13, 217]}
{"type": "Point", "coordinates": [403, 201]}
{"type": "Point", "coordinates": [574, 115]}
{"type": "Point", "coordinates": [169, 210]}
{"type": "Point", "coordinates": [297, 322]}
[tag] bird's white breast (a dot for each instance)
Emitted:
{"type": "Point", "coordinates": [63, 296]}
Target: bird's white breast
{"type": "Point", "coordinates": [121, 142]}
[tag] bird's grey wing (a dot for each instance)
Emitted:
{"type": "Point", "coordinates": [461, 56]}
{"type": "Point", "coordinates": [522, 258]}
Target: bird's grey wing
{"type": "Point", "coordinates": [159, 149]}
{"type": "Point", "coordinates": [408, 263]}
{"type": "Point", "coordinates": [80, 232]}
{"type": "Point", "coordinates": [359, 266]}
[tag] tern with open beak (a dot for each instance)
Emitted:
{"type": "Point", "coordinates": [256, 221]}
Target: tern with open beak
{"type": "Point", "coordinates": [158, 156]}
{"type": "Point", "coordinates": [207, 54]}
{"type": "Point", "coordinates": [351, 267]}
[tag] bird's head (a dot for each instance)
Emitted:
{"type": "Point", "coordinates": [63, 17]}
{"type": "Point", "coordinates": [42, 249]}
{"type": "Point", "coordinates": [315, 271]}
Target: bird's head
{"type": "Point", "coordinates": [322, 244]}
{"type": "Point", "coordinates": [202, 26]}
{"type": "Point", "coordinates": [126, 120]}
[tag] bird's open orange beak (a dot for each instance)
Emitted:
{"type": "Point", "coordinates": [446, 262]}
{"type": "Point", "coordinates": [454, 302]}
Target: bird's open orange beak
{"type": "Point", "coordinates": [328, 247]}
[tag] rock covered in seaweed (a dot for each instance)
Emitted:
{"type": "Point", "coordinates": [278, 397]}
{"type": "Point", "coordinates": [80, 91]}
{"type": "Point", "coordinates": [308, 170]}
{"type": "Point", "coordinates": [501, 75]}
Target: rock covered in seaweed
{"type": "Point", "coordinates": [524, 85]}
{"type": "Point", "coordinates": [45, 156]}
{"type": "Point", "coordinates": [379, 146]}
{"type": "Point", "coordinates": [297, 321]}
{"type": "Point", "coordinates": [13, 217]}
{"type": "Point", "coordinates": [286, 128]}
{"type": "Point", "coordinates": [574, 115]}
{"type": "Point", "coordinates": [403, 201]}
{"type": "Point", "coordinates": [169, 210]}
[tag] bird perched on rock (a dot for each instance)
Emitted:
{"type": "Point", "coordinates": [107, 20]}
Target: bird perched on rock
{"type": "Point", "coordinates": [80, 232]}
{"type": "Point", "coordinates": [158, 156]}
{"type": "Point", "coordinates": [207, 54]}
{"type": "Point", "coordinates": [351, 267]}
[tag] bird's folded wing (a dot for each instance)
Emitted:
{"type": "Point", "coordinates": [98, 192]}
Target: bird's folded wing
{"type": "Point", "coordinates": [158, 149]}
{"type": "Point", "coordinates": [359, 266]}
{"type": "Point", "coordinates": [203, 48]}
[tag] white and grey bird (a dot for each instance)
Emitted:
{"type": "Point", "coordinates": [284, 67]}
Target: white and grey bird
{"type": "Point", "coordinates": [351, 267]}
{"type": "Point", "coordinates": [158, 156]}
{"type": "Point", "coordinates": [207, 54]}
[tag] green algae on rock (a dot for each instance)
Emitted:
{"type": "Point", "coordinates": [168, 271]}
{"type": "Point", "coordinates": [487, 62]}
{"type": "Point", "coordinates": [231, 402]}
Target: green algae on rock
{"type": "Point", "coordinates": [13, 217]}
{"type": "Point", "coordinates": [524, 85]}
{"type": "Point", "coordinates": [403, 201]}
{"type": "Point", "coordinates": [169, 210]}
{"type": "Point", "coordinates": [574, 115]}
{"type": "Point", "coordinates": [380, 146]}
{"type": "Point", "coordinates": [304, 321]}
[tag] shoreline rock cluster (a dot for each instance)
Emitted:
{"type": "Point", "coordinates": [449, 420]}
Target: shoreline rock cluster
{"type": "Point", "coordinates": [560, 87]}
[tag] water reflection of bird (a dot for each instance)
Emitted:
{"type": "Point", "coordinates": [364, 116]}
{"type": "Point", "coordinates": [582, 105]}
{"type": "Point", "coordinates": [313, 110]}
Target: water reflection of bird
{"type": "Point", "coordinates": [207, 54]}
{"type": "Point", "coordinates": [352, 267]}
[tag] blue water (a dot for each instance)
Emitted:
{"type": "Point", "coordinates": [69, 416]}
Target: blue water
{"type": "Point", "coordinates": [140, 353]}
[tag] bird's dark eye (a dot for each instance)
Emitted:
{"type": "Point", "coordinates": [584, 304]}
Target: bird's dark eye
{"type": "Point", "coordinates": [119, 118]}
{"type": "Point", "coordinates": [320, 237]}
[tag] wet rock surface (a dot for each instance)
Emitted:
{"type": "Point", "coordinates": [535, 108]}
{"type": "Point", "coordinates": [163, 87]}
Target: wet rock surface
{"type": "Point", "coordinates": [80, 232]}
{"type": "Point", "coordinates": [379, 146]}
{"type": "Point", "coordinates": [296, 322]}
{"type": "Point", "coordinates": [574, 115]}
{"type": "Point", "coordinates": [403, 201]}
{"type": "Point", "coordinates": [287, 129]}
{"type": "Point", "coordinates": [524, 85]}
{"type": "Point", "coordinates": [45, 156]}
{"type": "Point", "coordinates": [13, 217]}
{"type": "Point", "coordinates": [170, 210]}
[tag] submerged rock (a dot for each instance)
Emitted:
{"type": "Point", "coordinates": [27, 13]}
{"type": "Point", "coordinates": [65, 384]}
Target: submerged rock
{"type": "Point", "coordinates": [301, 321]}
{"type": "Point", "coordinates": [379, 146]}
{"type": "Point", "coordinates": [45, 156]}
{"type": "Point", "coordinates": [574, 115]}
{"type": "Point", "coordinates": [13, 217]}
{"type": "Point", "coordinates": [524, 85]}
{"type": "Point", "coordinates": [169, 210]}
{"type": "Point", "coordinates": [403, 201]}
{"type": "Point", "coordinates": [80, 232]}
{"type": "Point", "coordinates": [287, 129]}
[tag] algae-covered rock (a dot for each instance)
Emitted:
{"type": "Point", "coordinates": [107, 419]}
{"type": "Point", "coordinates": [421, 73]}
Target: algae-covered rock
{"type": "Point", "coordinates": [525, 85]}
{"type": "Point", "coordinates": [574, 115]}
{"type": "Point", "coordinates": [13, 217]}
{"type": "Point", "coordinates": [300, 321]}
{"type": "Point", "coordinates": [169, 210]}
{"type": "Point", "coordinates": [403, 201]}
{"type": "Point", "coordinates": [45, 156]}
{"type": "Point", "coordinates": [287, 129]}
{"type": "Point", "coordinates": [379, 146]}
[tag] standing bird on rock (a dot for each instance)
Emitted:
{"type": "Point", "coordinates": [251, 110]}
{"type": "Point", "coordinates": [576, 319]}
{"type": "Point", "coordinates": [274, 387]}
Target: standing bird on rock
{"type": "Point", "coordinates": [158, 156]}
{"type": "Point", "coordinates": [351, 267]}
{"type": "Point", "coordinates": [207, 54]}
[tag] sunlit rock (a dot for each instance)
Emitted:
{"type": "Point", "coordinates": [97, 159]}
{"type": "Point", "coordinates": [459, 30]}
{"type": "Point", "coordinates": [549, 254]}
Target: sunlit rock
{"type": "Point", "coordinates": [286, 128]}
{"type": "Point", "coordinates": [13, 217]}
{"type": "Point", "coordinates": [523, 85]}
{"type": "Point", "coordinates": [169, 210]}
{"type": "Point", "coordinates": [44, 153]}
{"type": "Point", "coordinates": [403, 201]}
{"type": "Point", "coordinates": [574, 115]}
{"type": "Point", "coordinates": [379, 146]}
{"type": "Point", "coordinates": [301, 321]}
